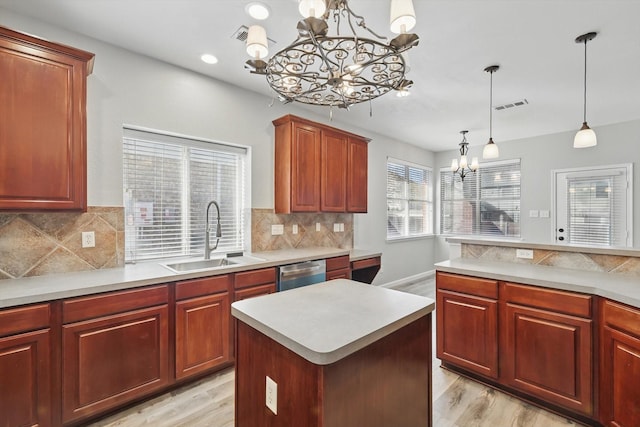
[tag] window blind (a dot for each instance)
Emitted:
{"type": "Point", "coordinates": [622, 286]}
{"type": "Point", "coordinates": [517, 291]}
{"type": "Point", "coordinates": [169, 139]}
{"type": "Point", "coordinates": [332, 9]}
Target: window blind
{"type": "Point", "coordinates": [486, 203]}
{"type": "Point", "coordinates": [597, 210]}
{"type": "Point", "coordinates": [168, 182]}
{"type": "Point", "coordinates": [409, 199]}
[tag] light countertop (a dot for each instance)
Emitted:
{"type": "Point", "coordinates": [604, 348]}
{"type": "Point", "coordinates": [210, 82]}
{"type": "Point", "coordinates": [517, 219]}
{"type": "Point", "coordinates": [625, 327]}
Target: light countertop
{"type": "Point", "coordinates": [14, 292]}
{"type": "Point", "coordinates": [617, 287]}
{"type": "Point", "coordinates": [326, 322]}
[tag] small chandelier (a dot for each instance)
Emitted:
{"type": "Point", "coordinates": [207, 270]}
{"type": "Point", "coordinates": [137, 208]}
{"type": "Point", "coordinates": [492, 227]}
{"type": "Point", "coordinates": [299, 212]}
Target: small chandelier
{"type": "Point", "coordinates": [463, 167]}
{"type": "Point", "coordinates": [336, 70]}
{"type": "Point", "coordinates": [585, 137]}
{"type": "Point", "coordinates": [490, 150]}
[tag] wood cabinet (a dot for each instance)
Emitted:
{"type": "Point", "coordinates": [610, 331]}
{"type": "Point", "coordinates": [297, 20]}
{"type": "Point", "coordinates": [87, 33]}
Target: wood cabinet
{"type": "Point", "coordinates": [25, 367]}
{"type": "Point", "coordinates": [619, 365]}
{"type": "Point", "coordinates": [365, 270]}
{"type": "Point", "coordinates": [467, 323]}
{"type": "Point", "coordinates": [202, 325]}
{"type": "Point", "coordinates": [115, 348]}
{"type": "Point", "coordinates": [254, 283]}
{"type": "Point", "coordinates": [338, 268]}
{"type": "Point", "coordinates": [43, 133]}
{"type": "Point", "coordinates": [547, 345]}
{"type": "Point", "coordinates": [318, 168]}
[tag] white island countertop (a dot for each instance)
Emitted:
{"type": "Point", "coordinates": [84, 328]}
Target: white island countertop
{"type": "Point", "coordinates": [325, 322]}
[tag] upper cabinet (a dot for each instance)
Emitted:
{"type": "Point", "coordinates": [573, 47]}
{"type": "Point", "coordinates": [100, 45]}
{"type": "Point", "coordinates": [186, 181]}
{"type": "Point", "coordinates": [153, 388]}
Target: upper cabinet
{"type": "Point", "coordinates": [318, 168]}
{"type": "Point", "coordinates": [43, 129]}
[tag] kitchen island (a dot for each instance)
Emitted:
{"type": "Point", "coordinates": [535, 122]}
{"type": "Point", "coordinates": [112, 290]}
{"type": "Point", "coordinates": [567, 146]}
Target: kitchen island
{"type": "Point", "coordinates": [338, 353]}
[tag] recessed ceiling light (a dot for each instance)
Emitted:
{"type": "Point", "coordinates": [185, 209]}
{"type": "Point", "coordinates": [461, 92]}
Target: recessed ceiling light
{"type": "Point", "coordinates": [209, 59]}
{"type": "Point", "coordinates": [257, 10]}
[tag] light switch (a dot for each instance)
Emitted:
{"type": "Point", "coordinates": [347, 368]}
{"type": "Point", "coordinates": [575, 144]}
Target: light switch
{"type": "Point", "coordinates": [544, 214]}
{"type": "Point", "coordinates": [533, 214]}
{"type": "Point", "coordinates": [336, 227]}
{"type": "Point", "coordinates": [294, 229]}
{"type": "Point", "coordinates": [318, 227]}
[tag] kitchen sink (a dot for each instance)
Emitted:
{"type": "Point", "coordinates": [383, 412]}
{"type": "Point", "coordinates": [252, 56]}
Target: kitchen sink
{"type": "Point", "coordinates": [203, 264]}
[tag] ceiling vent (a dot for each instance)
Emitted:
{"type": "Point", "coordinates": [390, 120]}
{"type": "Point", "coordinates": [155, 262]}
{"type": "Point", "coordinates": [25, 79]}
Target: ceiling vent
{"type": "Point", "coordinates": [518, 103]}
{"type": "Point", "coordinates": [242, 33]}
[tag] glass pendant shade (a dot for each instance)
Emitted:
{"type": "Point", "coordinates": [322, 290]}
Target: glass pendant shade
{"type": "Point", "coordinates": [454, 165]}
{"type": "Point", "coordinates": [257, 47]}
{"type": "Point", "coordinates": [403, 16]}
{"type": "Point", "coordinates": [463, 162]}
{"type": "Point", "coordinates": [490, 150]}
{"type": "Point", "coordinates": [315, 8]}
{"type": "Point", "coordinates": [585, 137]}
{"type": "Point", "coordinates": [474, 164]}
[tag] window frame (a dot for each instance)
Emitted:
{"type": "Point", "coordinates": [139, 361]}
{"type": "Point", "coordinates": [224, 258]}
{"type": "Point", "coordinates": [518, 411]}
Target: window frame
{"type": "Point", "coordinates": [235, 220]}
{"type": "Point", "coordinates": [476, 229]}
{"type": "Point", "coordinates": [428, 218]}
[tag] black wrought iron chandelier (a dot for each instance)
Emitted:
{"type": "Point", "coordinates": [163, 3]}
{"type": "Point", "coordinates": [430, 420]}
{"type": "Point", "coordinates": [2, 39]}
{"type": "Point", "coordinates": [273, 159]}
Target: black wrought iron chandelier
{"type": "Point", "coordinates": [336, 70]}
{"type": "Point", "coordinates": [463, 167]}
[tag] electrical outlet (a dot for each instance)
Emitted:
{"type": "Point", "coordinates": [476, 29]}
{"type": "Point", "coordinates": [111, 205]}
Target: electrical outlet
{"type": "Point", "coordinates": [524, 253]}
{"type": "Point", "coordinates": [272, 395]}
{"type": "Point", "coordinates": [277, 229]}
{"type": "Point", "coordinates": [88, 239]}
{"type": "Point", "coordinates": [295, 229]}
{"type": "Point", "coordinates": [318, 228]}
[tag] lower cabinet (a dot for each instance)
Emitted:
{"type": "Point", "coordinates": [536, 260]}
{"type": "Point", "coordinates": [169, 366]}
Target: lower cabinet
{"type": "Point", "coordinates": [619, 365]}
{"type": "Point", "coordinates": [548, 345]}
{"type": "Point", "coordinates": [467, 323]}
{"type": "Point", "coordinates": [25, 367]}
{"type": "Point", "coordinates": [115, 348]}
{"type": "Point", "coordinates": [203, 325]}
{"type": "Point", "coordinates": [338, 268]}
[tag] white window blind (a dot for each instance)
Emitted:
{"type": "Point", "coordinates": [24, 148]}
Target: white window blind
{"type": "Point", "coordinates": [409, 199]}
{"type": "Point", "coordinates": [486, 203]}
{"type": "Point", "coordinates": [168, 182]}
{"type": "Point", "coordinates": [598, 203]}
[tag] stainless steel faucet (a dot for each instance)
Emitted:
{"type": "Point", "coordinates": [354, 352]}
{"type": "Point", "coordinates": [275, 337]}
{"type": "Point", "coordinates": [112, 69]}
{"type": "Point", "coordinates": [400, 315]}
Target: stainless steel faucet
{"type": "Point", "coordinates": [207, 245]}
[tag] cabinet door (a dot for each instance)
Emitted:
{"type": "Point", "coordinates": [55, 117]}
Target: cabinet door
{"type": "Point", "coordinates": [467, 331]}
{"type": "Point", "coordinates": [25, 379]}
{"type": "Point", "coordinates": [43, 138]}
{"type": "Point", "coordinates": [202, 334]}
{"type": "Point", "coordinates": [357, 168]}
{"type": "Point", "coordinates": [114, 359]}
{"type": "Point", "coordinates": [305, 168]}
{"type": "Point", "coordinates": [620, 365]}
{"type": "Point", "coordinates": [548, 355]}
{"type": "Point", "coordinates": [255, 291]}
{"type": "Point", "coordinates": [333, 177]}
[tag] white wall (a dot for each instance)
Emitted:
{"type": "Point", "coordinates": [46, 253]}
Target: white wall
{"type": "Point", "coordinates": [617, 144]}
{"type": "Point", "coordinates": [126, 88]}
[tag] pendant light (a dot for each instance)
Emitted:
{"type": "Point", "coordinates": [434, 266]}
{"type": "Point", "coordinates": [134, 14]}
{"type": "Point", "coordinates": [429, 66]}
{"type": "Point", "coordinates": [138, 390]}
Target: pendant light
{"type": "Point", "coordinates": [490, 150]}
{"type": "Point", "coordinates": [585, 137]}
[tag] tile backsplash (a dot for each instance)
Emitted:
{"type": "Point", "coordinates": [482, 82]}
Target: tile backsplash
{"type": "Point", "coordinates": [36, 244]}
{"type": "Point", "coordinates": [307, 236]}
{"type": "Point", "coordinates": [627, 265]}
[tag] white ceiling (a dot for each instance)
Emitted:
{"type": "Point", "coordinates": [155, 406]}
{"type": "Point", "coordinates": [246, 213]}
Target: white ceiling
{"type": "Point", "coordinates": [531, 40]}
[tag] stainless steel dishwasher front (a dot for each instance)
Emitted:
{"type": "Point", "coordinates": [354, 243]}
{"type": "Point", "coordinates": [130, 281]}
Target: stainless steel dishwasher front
{"type": "Point", "coordinates": [301, 274]}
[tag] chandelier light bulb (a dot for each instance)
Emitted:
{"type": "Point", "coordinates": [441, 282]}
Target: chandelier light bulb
{"type": "Point", "coordinates": [312, 8]}
{"type": "Point", "coordinates": [257, 46]}
{"type": "Point", "coordinates": [463, 161]}
{"type": "Point", "coordinates": [402, 17]}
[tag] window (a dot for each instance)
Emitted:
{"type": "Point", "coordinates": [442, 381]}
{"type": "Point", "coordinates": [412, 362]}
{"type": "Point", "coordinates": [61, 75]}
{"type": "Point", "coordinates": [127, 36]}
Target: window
{"type": "Point", "coordinates": [593, 206]}
{"type": "Point", "coordinates": [486, 203]}
{"type": "Point", "coordinates": [168, 182]}
{"type": "Point", "coordinates": [409, 200]}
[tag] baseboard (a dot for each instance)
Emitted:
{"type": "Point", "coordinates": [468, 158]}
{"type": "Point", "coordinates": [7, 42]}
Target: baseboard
{"type": "Point", "coordinates": [410, 279]}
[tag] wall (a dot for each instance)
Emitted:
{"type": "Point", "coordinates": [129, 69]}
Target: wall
{"type": "Point", "coordinates": [126, 88]}
{"type": "Point", "coordinates": [617, 144]}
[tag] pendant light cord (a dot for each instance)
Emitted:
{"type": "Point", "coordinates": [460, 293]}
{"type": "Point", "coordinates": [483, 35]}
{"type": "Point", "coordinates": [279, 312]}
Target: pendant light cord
{"type": "Point", "coordinates": [491, 104]}
{"type": "Point", "coordinates": [585, 83]}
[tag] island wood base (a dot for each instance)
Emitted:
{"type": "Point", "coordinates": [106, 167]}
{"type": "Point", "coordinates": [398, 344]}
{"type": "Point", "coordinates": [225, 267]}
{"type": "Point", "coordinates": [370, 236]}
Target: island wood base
{"type": "Point", "coordinates": [387, 383]}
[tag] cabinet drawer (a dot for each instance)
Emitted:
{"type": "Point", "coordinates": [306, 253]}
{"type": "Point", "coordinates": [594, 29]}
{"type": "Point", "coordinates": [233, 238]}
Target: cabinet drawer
{"type": "Point", "coordinates": [201, 287]}
{"type": "Point", "coordinates": [114, 302]}
{"type": "Point", "coordinates": [468, 285]}
{"type": "Point", "coordinates": [255, 291]}
{"type": "Point", "coordinates": [365, 263]}
{"type": "Point", "coordinates": [22, 319]}
{"type": "Point", "coordinates": [549, 299]}
{"type": "Point", "coordinates": [621, 317]}
{"type": "Point", "coordinates": [255, 277]}
{"type": "Point", "coordinates": [344, 273]}
{"type": "Point", "coordinates": [338, 263]}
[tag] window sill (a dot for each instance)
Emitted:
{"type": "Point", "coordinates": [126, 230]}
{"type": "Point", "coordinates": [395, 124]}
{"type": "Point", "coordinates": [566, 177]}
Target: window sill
{"type": "Point", "coordinates": [409, 238]}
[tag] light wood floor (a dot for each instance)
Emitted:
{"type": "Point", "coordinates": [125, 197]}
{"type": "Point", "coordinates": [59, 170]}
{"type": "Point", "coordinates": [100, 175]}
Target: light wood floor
{"type": "Point", "coordinates": [457, 401]}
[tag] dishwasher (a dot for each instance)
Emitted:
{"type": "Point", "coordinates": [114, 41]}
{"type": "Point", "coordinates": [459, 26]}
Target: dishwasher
{"type": "Point", "coordinates": [301, 274]}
